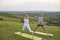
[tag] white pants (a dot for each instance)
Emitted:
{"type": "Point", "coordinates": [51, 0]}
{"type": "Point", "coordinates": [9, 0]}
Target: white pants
{"type": "Point", "coordinates": [26, 26]}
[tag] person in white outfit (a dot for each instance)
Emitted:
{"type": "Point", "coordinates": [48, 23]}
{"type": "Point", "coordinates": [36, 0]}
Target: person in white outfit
{"type": "Point", "coordinates": [26, 24]}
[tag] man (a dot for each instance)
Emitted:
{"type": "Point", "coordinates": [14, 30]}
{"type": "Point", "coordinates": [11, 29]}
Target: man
{"type": "Point", "coordinates": [40, 18]}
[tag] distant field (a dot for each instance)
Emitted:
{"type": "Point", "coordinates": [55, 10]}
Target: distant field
{"type": "Point", "coordinates": [11, 24]}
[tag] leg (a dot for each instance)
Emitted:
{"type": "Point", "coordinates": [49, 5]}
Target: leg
{"type": "Point", "coordinates": [34, 31]}
{"type": "Point", "coordinates": [35, 28]}
{"type": "Point", "coordinates": [28, 27]}
{"type": "Point", "coordinates": [44, 29]}
{"type": "Point", "coordinates": [23, 28]}
{"type": "Point", "coordinates": [21, 31]}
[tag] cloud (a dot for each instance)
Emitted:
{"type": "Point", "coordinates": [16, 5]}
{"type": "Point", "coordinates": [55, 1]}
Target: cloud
{"type": "Point", "coordinates": [20, 2]}
{"type": "Point", "coordinates": [12, 2]}
{"type": "Point", "coordinates": [30, 5]}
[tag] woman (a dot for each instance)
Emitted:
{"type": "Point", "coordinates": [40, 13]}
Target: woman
{"type": "Point", "coordinates": [26, 24]}
{"type": "Point", "coordinates": [40, 18]}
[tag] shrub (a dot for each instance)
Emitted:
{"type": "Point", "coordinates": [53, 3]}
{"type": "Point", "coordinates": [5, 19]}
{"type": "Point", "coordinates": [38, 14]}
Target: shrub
{"type": "Point", "coordinates": [1, 19]}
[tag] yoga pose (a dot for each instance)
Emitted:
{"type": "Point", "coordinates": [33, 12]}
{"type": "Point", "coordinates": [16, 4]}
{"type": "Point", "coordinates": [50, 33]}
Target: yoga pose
{"type": "Point", "coordinates": [26, 24]}
{"type": "Point", "coordinates": [40, 18]}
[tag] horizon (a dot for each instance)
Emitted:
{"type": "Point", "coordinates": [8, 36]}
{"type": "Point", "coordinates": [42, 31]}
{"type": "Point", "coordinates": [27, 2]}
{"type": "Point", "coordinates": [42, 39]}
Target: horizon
{"type": "Point", "coordinates": [29, 11]}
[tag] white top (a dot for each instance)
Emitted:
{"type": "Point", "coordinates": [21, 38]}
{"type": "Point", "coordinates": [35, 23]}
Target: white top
{"type": "Point", "coordinates": [26, 21]}
{"type": "Point", "coordinates": [40, 19]}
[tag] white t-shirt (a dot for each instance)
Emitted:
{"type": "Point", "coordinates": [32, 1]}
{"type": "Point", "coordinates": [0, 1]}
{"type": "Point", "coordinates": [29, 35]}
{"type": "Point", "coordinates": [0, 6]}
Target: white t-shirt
{"type": "Point", "coordinates": [41, 20]}
{"type": "Point", "coordinates": [26, 21]}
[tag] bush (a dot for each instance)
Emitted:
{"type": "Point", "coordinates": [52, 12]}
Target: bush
{"type": "Point", "coordinates": [53, 22]}
{"type": "Point", "coordinates": [1, 19]}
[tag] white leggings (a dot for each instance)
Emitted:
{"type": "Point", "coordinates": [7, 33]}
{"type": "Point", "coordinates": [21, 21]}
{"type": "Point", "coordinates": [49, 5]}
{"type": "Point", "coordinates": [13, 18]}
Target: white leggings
{"type": "Point", "coordinates": [26, 26]}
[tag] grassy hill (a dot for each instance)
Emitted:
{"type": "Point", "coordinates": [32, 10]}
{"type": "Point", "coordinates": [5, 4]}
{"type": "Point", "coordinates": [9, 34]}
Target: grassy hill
{"type": "Point", "coordinates": [10, 23]}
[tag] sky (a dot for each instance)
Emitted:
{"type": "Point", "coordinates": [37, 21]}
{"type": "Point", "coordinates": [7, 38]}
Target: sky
{"type": "Point", "coordinates": [29, 5]}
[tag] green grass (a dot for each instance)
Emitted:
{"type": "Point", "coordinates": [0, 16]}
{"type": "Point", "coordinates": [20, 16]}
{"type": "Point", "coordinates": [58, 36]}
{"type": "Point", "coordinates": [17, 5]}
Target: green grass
{"type": "Point", "coordinates": [7, 29]}
{"type": "Point", "coordinates": [9, 19]}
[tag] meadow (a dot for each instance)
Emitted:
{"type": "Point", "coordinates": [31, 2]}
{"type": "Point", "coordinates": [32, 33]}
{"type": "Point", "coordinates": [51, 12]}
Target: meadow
{"type": "Point", "coordinates": [10, 24]}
